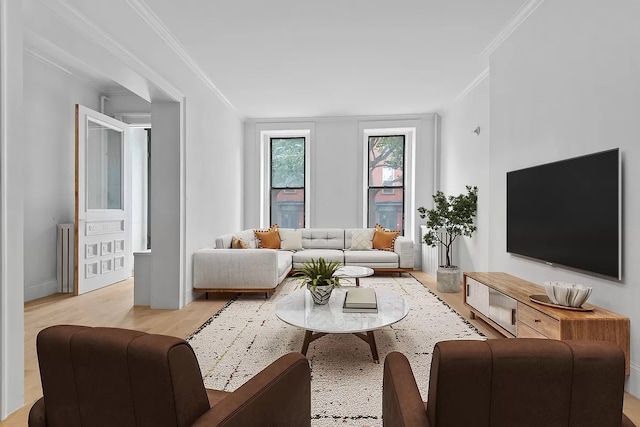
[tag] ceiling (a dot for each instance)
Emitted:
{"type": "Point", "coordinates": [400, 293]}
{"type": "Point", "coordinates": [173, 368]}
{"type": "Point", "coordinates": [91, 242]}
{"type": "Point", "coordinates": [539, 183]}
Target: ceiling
{"type": "Point", "coordinates": [301, 58]}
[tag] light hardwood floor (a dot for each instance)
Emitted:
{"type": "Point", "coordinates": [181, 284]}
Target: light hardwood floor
{"type": "Point", "coordinates": [112, 306]}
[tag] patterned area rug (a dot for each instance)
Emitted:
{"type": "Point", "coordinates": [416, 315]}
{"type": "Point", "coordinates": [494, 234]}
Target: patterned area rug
{"type": "Point", "coordinates": [346, 385]}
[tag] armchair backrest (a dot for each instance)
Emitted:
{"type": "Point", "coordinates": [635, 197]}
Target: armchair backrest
{"type": "Point", "coordinates": [118, 377]}
{"type": "Point", "coordinates": [526, 382]}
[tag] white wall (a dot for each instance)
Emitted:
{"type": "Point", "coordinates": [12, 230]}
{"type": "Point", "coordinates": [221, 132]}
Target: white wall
{"type": "Point", "coordinates": [464, 160]}
{"type": "Point", "coordinates": [337, 158]}
{"type": "Point", "coordinates": [11, 209]}
{"type": "Point", "coordinates": [565, 83]}
{"type": "Point", "coordinates": [50, 96]}
{"type": "Point", "coordinates": [207, 157]}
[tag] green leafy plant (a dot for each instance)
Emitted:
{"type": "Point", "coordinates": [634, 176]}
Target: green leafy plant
{"type": "Point", "coordinates": [318, 273]}
{"type": "Point", "coordinates": [454, 215]}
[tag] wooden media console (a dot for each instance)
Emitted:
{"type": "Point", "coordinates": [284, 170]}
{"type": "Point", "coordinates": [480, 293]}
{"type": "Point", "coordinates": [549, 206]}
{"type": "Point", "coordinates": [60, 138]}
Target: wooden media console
{"type": "Point", "coordinates": [503, 301]}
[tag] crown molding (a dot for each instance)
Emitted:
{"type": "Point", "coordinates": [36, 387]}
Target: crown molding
{"type": "Point", "coordinates": [156, 24]}
{"type": "Point", "coordinates": [471, 86]}
{"type": "Point", "coordinates": [518, 18]}
{"type": "Point", "coordinates": [39, 49]}
{"type": "Point", "coordinates": [91, 30]}
{"type": "Point", "coordinates": [37, 55]}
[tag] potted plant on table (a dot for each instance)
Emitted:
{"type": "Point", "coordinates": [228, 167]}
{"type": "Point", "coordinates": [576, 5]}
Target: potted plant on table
{"type": "Point", "coordinates": [317, 275]}
{"type": "Point", "coordinates": [450, 217]}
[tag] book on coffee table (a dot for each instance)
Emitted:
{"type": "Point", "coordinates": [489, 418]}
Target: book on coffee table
{"type": "Point", "coordinates": [360, 300]}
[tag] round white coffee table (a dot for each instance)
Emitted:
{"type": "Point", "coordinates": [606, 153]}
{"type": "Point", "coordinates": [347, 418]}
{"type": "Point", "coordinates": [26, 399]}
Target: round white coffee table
{"type": "Point", "coordinates": [298, 309]}
{"type": "Point", "coordinates": [353, 272]}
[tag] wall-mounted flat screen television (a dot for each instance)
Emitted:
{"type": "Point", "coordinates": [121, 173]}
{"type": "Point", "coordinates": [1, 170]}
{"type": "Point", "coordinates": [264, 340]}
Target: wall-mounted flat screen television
{"type": "Point", "coordinates": [568, 213]}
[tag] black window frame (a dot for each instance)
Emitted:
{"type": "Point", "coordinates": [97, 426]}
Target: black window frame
{"type": "Point", "coordinates": [287, 189]}
{"type": "Point", "coordinates": [402, 187]}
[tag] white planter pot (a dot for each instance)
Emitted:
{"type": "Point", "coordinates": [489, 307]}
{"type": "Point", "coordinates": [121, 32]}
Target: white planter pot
{"type": "Point", "coordinates": [321, 294]}
{"type": "Point", "coordinates": [448, 279]}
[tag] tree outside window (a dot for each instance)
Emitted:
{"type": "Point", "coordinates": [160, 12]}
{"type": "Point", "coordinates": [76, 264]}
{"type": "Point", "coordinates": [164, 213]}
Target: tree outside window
{"type": "Point", "coordinates": [287, 182]}
{"type": "Point", "coordinates": [386, 159]}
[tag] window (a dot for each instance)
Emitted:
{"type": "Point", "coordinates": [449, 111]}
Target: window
{"type": "Point", "coordinates": [386, 181]}
{"type": "Point", "coordinates": [287, 181]}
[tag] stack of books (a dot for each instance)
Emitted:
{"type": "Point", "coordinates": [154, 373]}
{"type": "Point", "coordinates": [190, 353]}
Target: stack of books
{"type": "Point", "coordinates": [360, 300]}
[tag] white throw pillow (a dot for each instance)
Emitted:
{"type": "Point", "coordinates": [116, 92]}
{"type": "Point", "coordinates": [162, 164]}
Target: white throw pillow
{"type": "Point", "coordinates": [362, 240]}
{"type": "Point", "coordinates": [290, 239]}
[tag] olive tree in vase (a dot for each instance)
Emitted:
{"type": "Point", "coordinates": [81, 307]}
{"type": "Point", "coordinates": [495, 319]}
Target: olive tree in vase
{"type": "Point", "coordinates": [451, 217]}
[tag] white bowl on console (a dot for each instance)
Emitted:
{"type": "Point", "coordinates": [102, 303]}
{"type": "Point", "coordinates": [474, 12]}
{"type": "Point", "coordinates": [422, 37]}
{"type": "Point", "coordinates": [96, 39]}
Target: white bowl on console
{"type": "Point", "coordinates": [567, 294]}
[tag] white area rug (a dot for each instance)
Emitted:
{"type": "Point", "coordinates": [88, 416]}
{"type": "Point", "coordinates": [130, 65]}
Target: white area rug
{"type": "Point", "coordinates": [346, 385]}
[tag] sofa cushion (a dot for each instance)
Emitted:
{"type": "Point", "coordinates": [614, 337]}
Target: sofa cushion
{"type": "Point", "coordinates": [360, 239]}
{"type": "Point", "coordinates": [373, 259]}
{"type": "Point", "coordinates": [323, 238]}
{"type": "Point", "coordinates": [301, 257]}
{"type": "Point", "coordinates": [384, 239]}
{"type": "Point", "coordinates": [290, 239]}
{"type": "Point", "coordinates": [268, 239]}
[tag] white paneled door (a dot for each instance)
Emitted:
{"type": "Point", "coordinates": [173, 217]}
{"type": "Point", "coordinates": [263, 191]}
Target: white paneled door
{"type": "Point", "coordinates": [103, 201]}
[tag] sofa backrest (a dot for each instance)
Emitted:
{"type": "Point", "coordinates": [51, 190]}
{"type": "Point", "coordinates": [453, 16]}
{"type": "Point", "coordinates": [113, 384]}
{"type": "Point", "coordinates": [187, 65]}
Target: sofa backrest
{"type": "Point", "coordinates": [526, 382]}
{"type": "Point", "coordinates": [323, 238]}
{"type": "Point", "coordinates": [118, 377]}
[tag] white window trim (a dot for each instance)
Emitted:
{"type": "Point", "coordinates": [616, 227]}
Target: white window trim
{"type": "Point", "coordinates": [409, 175]}
{"type": "Point", "coordinates": [265, 171]}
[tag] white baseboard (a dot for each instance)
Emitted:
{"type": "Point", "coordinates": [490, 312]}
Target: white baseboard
{"type": "Point", "coordinates": [41, 290]}
{"type": "Point", "coordinates": [632, 383]}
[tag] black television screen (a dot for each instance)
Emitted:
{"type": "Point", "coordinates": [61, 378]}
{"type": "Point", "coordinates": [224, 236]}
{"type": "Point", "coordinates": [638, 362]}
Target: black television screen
{"type": "Point", "coordinates": [568, 213]}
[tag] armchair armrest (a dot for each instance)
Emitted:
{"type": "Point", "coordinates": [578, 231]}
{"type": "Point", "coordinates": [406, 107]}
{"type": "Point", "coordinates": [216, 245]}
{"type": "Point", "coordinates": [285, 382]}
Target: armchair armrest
{"type": "Point", "coordinates": [279, 395]}
{"type": "Point", "coordinates": [403, 246]}
{"type": "Point", "coordinates": [402, 405]}
{"type": "Point", "coordinates": [38, 414]}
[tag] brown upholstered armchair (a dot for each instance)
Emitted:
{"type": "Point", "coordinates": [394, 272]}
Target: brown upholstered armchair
{"type": "Point", "coordinates": [508, 383]}
{"type": "Point", "coordinates": [119, 377]}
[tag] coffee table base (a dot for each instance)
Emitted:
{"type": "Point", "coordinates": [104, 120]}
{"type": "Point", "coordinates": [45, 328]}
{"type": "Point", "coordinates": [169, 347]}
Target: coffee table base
{"type": "Point", "coordinates": [310, 336]}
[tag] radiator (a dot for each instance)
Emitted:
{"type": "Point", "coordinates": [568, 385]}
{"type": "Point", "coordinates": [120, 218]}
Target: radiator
{"type": "Point", "coordinates": [430, 259]}
{"type": "Point", "coordinates": [66, 258]}
{"type": "Point", "coordinates": [433, 257]}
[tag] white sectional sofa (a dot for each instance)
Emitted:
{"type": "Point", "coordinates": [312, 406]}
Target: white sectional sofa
{"type": "Point", "coordinates": [223, 269]}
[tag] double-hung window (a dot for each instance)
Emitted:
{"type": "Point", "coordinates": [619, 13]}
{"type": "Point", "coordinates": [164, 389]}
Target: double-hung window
{"type": "Point", "coordinates": [386, 181]}
{"type": "Point", "coordinates": [287, 181]}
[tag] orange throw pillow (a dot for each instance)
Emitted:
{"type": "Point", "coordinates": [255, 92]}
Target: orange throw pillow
{"type": "Point", "coordinates": [384, 239]}
{"type": "Point", "coordinates": [268, 239]}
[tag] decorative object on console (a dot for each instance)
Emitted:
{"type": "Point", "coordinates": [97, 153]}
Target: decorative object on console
{"type": "Point", "coordinates": [318, 276]}
{"type": "Point", "coordinates": [567, 294]}
{"type": "Point", "coordinates": [454, 215]}
{"type": "Point", "coordinates": [384, 239]}
{"type": "Point", "coordinates": [268, 239]}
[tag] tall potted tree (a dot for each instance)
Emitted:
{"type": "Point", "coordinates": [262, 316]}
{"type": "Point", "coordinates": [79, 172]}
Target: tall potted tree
{"type": "Point", "coordinates": [451, 217]}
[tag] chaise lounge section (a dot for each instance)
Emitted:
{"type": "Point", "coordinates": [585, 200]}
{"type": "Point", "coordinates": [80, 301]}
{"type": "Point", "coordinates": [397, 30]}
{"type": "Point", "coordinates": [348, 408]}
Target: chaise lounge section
{"type": "Point", "coordinates": [254, 269]}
